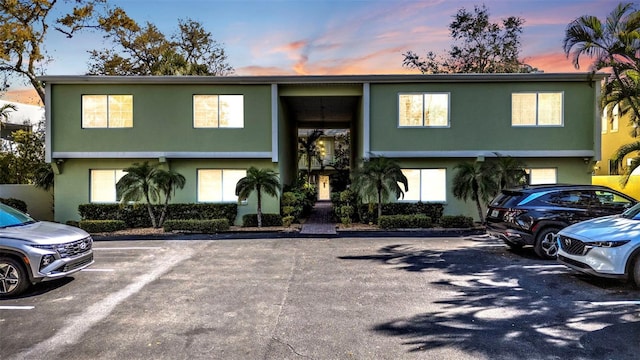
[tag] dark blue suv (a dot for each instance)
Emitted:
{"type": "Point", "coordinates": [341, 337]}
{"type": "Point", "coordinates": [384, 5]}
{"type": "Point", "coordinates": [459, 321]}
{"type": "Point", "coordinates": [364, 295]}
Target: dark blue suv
{"type": "Point", "coordinates": [534, 214]}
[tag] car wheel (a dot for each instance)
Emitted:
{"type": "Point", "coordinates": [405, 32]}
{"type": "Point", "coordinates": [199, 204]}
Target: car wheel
{"type": "Point", "coordinates": [546, 246]}
{"type": "Point", "coordinates": [13, 277]}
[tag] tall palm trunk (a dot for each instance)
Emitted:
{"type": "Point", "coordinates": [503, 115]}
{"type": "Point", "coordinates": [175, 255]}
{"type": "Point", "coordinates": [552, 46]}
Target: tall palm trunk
{"type": "Point", "coordinates": [259, 210]}
{"type": "Point", "coordinates": [150, 210]}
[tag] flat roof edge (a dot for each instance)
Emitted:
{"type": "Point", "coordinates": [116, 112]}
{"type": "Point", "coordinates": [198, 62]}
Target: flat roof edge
{"type": "Point", "coordinates": [314, 79]}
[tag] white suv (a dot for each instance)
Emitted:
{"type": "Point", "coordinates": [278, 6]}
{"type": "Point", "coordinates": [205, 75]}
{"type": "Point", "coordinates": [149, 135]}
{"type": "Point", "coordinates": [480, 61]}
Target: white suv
{"type": "Point", "coordinates": [606, 247]}
{"type": "Point", "coordinates": [33, 251]}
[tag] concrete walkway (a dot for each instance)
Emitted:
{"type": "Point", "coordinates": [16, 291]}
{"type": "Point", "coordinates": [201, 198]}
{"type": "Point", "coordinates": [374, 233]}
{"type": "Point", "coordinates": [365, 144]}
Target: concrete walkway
{"type": "Point", "coordinates": [320, 221]}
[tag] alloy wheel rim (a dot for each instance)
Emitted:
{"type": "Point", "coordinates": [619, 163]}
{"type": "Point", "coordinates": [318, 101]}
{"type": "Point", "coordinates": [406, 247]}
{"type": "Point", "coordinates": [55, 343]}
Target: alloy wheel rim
{"type": "Point", "coordinates": [549, 245]}
{"type": "Point", "coordinates": [9, 279]}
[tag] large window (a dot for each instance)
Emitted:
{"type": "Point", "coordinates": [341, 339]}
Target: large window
{"type": "Point", "coordinates": [536, 109]}
{"type": "Point", "coordinates": [103, 185]}
{"type": "Point", "coordinates": [423, 110]}
{"type": "Point", "coordinates": [426, 185]}
{"type": "Point", "coordinates": [218, 111]}
{"type": "Point", "coordinates": [107, 111]}
{"type": "Point", "coordinates": [218, 185]}
{"type": "Point", "coordinates": [542, 176]}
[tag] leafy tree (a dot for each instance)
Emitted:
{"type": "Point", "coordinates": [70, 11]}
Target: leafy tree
{"type": "Point", "coordinates": [146, 51]}
{"type": "Point", "coordinates": [509, 172]}
{"type": "Point", "coordinates": [144, 181]}
{"type": "Point", "coordinates": [476, 182]}
{"type": "Point", "coordinates": [480, 46]}
{"type": "Point", "coordinates": [307, 147]}
{"type": "Point", "coordinates": [612, 44]}
{"type": "Point", "coordinates": [258, 180]}
{"type": "Point", "coordinates": [24, 25]}
{"type": "Point", "coordinates": [377, 179]}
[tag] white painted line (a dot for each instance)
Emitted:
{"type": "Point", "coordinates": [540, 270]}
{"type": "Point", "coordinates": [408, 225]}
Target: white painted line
{"type": "Point", "coordinates": [545, 267]}
{"type": "Point", "coordinates": [16, 307]}
{"type": "Point", "coordinates": [75, 327]}
{"type": "Point", "coordinates": [625, 302]}
{"type": "Point", "coordinates": [493, 245]}
{"type": "Point", "coordinates": [129, 248]}
{"type": "Point", "coordinates": [98, 270]}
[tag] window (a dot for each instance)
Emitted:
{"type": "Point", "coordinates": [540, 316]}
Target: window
{"type": "Point", "coordinates": [426, 185]}
{"type": "Point", "coordinates": [604, 121]}
{"type": "Point", "coordinates": [536, 109]}
{"type": "Point", "coordinates": [542, 176]}
{"type": "Point", "coordinates": [217, 185]}
{"type": "Point", "coordinates": [103, 185]}
{"type": "Point", "coordinates": [423, 110]}
{"type": "Point", "coordinates": [218, 111]}
{"type": "Point", "coordinates": [107, 111]}
{"type": "Point", "coordinates": [615, 118]}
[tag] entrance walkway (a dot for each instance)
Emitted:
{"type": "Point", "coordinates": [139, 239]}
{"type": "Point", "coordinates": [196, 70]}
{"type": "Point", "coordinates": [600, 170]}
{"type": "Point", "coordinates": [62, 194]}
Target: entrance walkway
{"type": "Point", "coordinates": [319, 222]}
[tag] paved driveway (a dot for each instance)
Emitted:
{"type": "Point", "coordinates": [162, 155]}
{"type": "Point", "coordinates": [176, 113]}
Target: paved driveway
{"type": "Point", "coordinates": [350, 298]}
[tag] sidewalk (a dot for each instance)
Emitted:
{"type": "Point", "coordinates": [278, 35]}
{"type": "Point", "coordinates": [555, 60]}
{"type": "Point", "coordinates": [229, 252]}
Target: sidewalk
{"type": "Point", "coordinates": [320, 221]}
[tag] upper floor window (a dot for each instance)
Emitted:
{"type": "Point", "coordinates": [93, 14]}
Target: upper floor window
{"type": "Point", "coordinates": [218, 185]}
{"type": "Point", "coordinates": [218, 111]}
{"type": "Point", "coordinates": [107, 111]}
{"type": "Point", "coordinates": [426, 185]}
{"type": "Point", "coordinates": [103, 185]}
{"type": "Point", "coordinates": [536, 109]}
{"type": "Point", "coordinates": [423, 110]}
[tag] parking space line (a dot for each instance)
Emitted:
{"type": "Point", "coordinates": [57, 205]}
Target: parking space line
{"type": "Point", "coordinates": [129, 248]}
{"type": "Point", "coordinates": [621, 302]}
{"type": "Point", "coordinates": [16, 307]}
{"type": "Point", "coordinates": [559, 266]}
{"type": "Point", "coordinates": [98, 270]}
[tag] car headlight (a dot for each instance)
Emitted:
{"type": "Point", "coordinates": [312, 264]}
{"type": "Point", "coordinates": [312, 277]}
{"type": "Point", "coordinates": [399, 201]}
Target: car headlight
{"type": "Point", "coordinates": [608, 244]}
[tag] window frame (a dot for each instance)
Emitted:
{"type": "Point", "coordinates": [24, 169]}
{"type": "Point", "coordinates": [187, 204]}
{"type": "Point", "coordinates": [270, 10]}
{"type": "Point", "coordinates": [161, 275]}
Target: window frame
{"type": "Point", "coordinates": [116, 178]}
{"type": "Point", "coordinates": [537, 109]}
{"type": "Point", "coordinates": [222, 186]}
{"type": "Point", "coordinates": [528, 171]}
{"type": "Point", "coordinates": [421, 185]}
{"type": "Point", "coordinates": [219, 111]}
{"type": "Point", "coordinates": [423, 125]}
{"type": "Point", "coordinates": [108, 111]}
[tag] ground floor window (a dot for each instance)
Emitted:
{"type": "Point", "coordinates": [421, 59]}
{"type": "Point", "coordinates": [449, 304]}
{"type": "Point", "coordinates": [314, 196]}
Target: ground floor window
{"type": "Point", "coordinates": [103, 185]}
{"type": "Point", "coordinates": [426, 185]}
{"type": "Point", "coordinates": [218, 185]}
{"type": "Point", "coordinates": [542, 176]}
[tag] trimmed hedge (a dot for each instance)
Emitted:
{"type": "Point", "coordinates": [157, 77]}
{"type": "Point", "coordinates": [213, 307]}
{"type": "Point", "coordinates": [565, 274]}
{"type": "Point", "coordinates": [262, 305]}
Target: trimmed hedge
{"type": "Point", "coordinates": [98, 226]}
{"type": "Point", "coordinates": [251, 220]}
{"type": "Point", "coordinates": [15, 203]}
{"type": "Point", "coordinates": [369, 214]}
{"type": "Point", "coordinates": [404, 222]}
{"type": "Point", "coordinates": [137, 216]}
{"type": "Point", "coordinates": [197, 226]}
{"type": "Point", "coordinates": [456, 221]}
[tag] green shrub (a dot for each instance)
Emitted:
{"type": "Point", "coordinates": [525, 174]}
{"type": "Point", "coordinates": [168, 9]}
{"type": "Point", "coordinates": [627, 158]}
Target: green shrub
{"type": "Point", "coordinates": [404, 221]}
{"type": "Point", "coordinates": [287, 221]}
{"type": "Point", "coordinates": [15, 203]}
{"type": "Point", "coordinates": [137, 216]}
{"type": "Point", "coordinates": [456, 221]}
{"type": "Point", "coordinates": [251, 220]}
{"type": "Point", "coordinates": [368, 213]}
{"type": "Point", "coordinates": [99, 226]}
{"type": "Point", "coordinates": [197, 226]}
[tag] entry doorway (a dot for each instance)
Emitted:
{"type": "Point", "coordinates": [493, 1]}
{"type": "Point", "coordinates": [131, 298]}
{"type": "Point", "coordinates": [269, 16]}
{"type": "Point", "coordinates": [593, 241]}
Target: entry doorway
{"type": "Point", "coordinates": [324, 190]}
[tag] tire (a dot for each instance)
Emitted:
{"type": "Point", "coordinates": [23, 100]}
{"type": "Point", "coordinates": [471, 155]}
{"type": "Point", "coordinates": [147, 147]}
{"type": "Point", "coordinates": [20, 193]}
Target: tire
{"type": "Point", "coordinates": [636, 271]}
{"type": "Point", "coordinates": [546, 246]}
{"type": "Point", "coordinates": [13, 277]}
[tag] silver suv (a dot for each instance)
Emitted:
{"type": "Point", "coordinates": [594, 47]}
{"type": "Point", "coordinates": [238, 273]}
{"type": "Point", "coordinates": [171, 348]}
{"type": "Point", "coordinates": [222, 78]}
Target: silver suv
{"type": "Point", "coordinates": [33, 251]}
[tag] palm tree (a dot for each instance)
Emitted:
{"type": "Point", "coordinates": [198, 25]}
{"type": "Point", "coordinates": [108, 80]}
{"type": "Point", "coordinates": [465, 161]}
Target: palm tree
{"type": "Point", "coordinates": [307, 147]}
{"type": "Point", "coordinates": [378, 179]}
{"type": "Point", "coordinates": [258, 180]}
{"type": "Point", "coordinates": [476, 182]}
{"type": "Point", "coordinates": [4, 113]}
{"type": "Point", "coordinates": [614, 44]}
{"type": "Point", "coordinates": [509, 172]}
{"type": "Point", "coordinates": [168, 182]}
{"type": "Point", "coordinates": [139, 182]}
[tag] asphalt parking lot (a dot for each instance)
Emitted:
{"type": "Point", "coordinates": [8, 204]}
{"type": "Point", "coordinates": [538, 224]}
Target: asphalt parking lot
{"type": "Point", "coordinates": [340, 298]}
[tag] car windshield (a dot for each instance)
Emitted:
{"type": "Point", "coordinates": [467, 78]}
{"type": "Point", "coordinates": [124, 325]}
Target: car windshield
{"type": "Point", "coordinates": [632, 212]}
{"type": "Point", "coordinates": [11, 217]}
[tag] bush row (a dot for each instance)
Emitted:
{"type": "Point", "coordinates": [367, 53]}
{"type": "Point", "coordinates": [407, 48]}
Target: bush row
{"type": "Point", "coordinates": [197, 226]}
{"type": "Point", "coordinates": [251, 220]}
{"type": "Point", "coordinates": [98, 226]}
{"type": "Point", "coordinates": [15, 203]}
{"type": "Point", "coordinates": [404, 222]}
{"type": "Point", "coordinates": [456, 221]}
{"type": "Point", "coordinates": [137, 216]}
{"type": "Point", "coordinates": [368, 213]}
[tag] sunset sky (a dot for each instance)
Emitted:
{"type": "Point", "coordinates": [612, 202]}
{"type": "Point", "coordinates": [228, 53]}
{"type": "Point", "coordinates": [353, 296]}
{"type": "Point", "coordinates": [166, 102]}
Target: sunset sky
{"type": "Point", "coordinates": [313, 37]}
